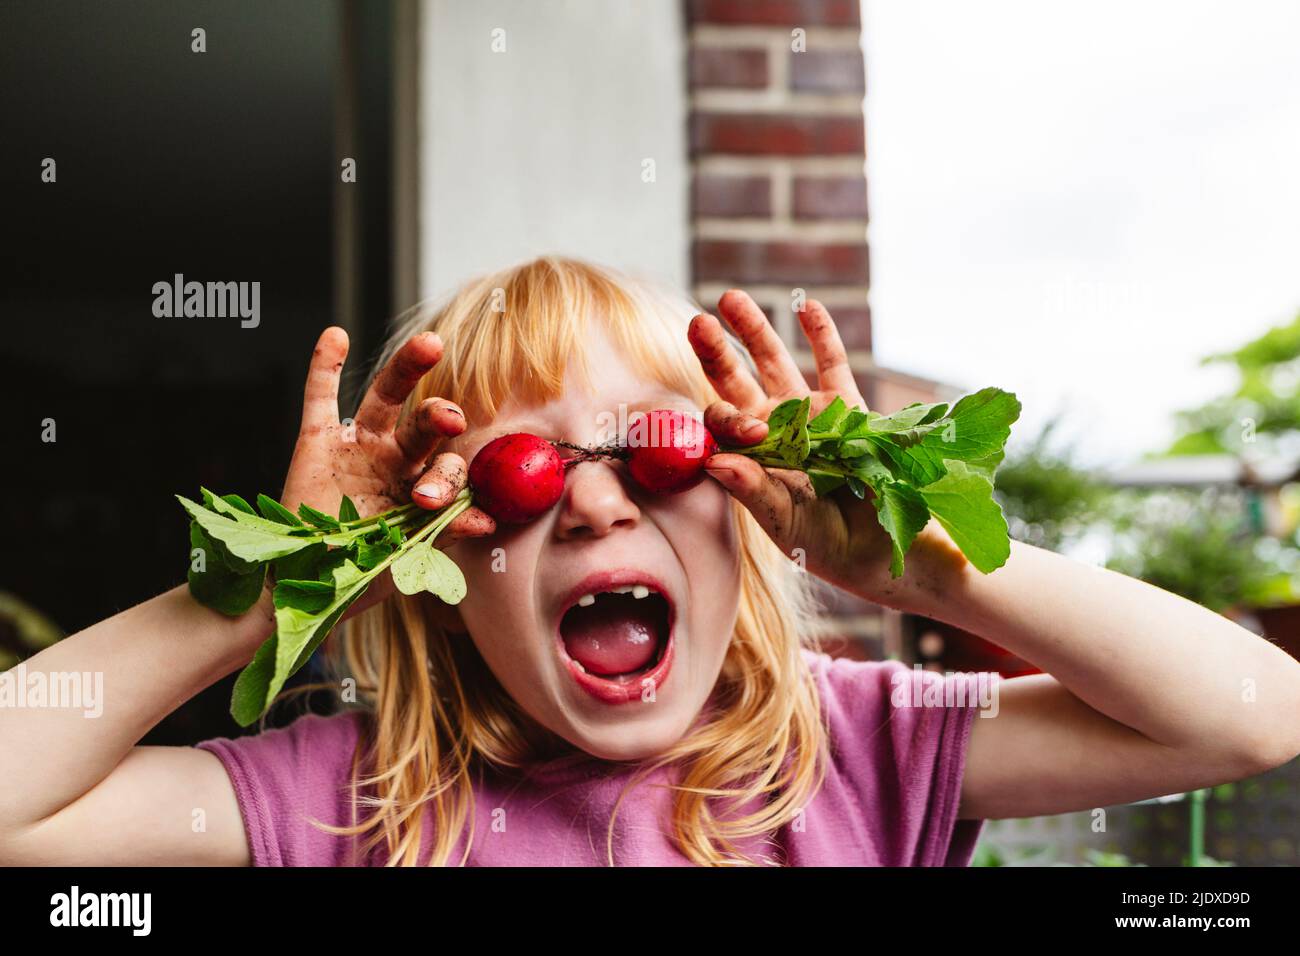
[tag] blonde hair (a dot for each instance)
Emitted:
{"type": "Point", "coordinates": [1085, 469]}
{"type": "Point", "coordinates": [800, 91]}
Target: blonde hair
{"type": "Point", "coordinates": [439, 713]}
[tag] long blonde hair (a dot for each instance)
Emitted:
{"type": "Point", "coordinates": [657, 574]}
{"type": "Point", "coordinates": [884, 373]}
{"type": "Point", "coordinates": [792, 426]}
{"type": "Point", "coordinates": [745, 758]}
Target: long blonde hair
{"type": "Point", "coordinates": [439, 713]}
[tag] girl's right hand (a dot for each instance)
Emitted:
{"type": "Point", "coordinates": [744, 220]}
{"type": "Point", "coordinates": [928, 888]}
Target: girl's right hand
{"type": "Point", "coordinates": [839, 536]}
{"type": "Point", "coordinates": [376, 460]}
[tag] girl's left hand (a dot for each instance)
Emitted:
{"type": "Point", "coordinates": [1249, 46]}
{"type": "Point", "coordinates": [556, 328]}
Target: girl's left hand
{"type": "Point", "coordinates": [839, 536]}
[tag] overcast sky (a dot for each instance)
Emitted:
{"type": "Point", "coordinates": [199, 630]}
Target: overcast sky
{"type": "Point", "coordinates": [1077, 201]}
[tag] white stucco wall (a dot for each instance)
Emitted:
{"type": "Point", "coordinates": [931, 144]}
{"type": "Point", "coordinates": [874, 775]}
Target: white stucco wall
{"type": "Point", "coordinates": [540, 148]}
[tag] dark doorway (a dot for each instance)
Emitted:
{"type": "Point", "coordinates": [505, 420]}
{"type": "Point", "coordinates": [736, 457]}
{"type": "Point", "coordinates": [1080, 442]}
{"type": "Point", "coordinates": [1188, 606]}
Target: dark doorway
{"type": "Point", "coordinates": [221, 166]}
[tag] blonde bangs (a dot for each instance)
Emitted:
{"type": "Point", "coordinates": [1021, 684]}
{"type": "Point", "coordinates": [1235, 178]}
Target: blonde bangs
{"type": "Point", "coordinates": [521, 333]}
{"type": "Point", "coordinates": [439, 714]}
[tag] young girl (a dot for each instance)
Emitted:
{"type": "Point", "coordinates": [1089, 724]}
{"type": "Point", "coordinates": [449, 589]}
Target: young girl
{"type": "Point", "coordinates": [630, 679]}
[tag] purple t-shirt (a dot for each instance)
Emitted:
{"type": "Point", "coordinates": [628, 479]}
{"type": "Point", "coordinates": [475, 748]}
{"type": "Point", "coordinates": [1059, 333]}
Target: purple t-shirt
{"type": "Point", "coordinates": [889, 798]}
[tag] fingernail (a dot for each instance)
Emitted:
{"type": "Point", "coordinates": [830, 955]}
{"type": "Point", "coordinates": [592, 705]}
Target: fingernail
{"type": "Point", "coordinates": [722, 474]}
{"type": "Point", "coordinates": [431, 489]}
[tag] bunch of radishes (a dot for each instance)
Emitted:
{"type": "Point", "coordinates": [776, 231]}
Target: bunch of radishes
{"type": "Point", "coordinates": [519, 477]}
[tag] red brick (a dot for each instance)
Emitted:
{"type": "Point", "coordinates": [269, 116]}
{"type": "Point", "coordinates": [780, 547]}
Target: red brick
{"type": "Point", "coordinates": [830, 197]}
{"type": "Point", "coordinates": [729, 68]}
{"type": "Point", "coordinates": [797, 263]}
{"type": "Point", "coordinates": [731, 196]}
{"type": "Point", "coordinates": [829, 71]}
{"type": "Point", "coordinates": [793, 13]}
{"type": "Point", "coordinates": [760, 134]}
{"type": "Point", "coordinates": [854, 326]}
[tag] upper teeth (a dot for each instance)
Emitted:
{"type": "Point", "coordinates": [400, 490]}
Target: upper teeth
{"type": "Point", "coordinates": [638, 591]}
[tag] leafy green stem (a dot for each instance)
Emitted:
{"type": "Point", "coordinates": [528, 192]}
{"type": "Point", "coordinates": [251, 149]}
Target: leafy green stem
{"type": "Point", "coordinates": [922, 461]}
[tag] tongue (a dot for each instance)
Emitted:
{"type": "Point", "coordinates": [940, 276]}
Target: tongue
{"type": "Point", "coordinates": [616, 635]}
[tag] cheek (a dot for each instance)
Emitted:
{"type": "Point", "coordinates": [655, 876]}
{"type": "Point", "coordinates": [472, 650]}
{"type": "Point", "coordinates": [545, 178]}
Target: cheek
{"type": "Point", "coordinates": [715, 514]}
{"type": "Point", "coordinates": [701, 526]}
{"type": "Point", "coordinates": [498, 575]}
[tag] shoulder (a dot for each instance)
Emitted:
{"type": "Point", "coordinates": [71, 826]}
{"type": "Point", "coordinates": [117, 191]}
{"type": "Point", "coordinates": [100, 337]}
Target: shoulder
{"type": "Point", "coordinates": [312, 740]}
{"type": "Point", "coordinates": [855, 691]}
{"type": "Point", "coordinates": [898, 739]}
{"type": "Point", "coordinates": [285, 777]}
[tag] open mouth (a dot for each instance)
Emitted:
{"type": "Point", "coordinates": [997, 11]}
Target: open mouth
{"type": "Point", "coordinates": [616, 638]}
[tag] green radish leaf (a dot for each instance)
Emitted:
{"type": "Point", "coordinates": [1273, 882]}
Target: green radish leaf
{"type": "Point", "coordinates": [272, 510]}
{"type": "Point", "coordinates": [239, 503]}
{"type": "Point", "coordinates": [242, 513]}
{"type": "Point", "coordinates": [310, 596]}
{"type": "Point", "coordinates": [216, 585]}
{"type": "Point", "coordinates": [963, 503]}
{"type": "Point", "coordinates": [248, 700]}
{"type": "Point", "coordinates": [315, 584]}
{"type": "Point", "coordinates": [916, 464]}
{"type": "Point", "coordinates": [922, 461]}
{"type": "Point", "coordinates": [986, 466]}
{"type": "Point", "coordinates": [854, 421]}
{"type": "Point", "coordinates": [903, 514]}
{"type": "Point", "coordinates": [905, 427]}
{"type": "Point", "coordinates": [425, 568]}
{"type": "Point", "coordinates": [244, 541]}
{"type": "Point", "coordinates": [829, 420]}
{"type": "Point", "coordinates": [303, 620]}
{"type": "Point", "coordinates": [394, 533]}
{"type": "Point", "coordinates": [936, 412]}
{"type": "Point", "coordinates": [304, 565]}
{"type": "Point", "coordinates": [787, 434]}
{"type": "Point", "coordinates": [782, 416]}
{"type": "Point", "coordinates": [976, 431]}
{"type": "Point", "coordinates": [318, 518]}
{"type": "Point", "coordinates": [367, 553]}
{"type": "Point", "coordinates": [978, 426]}
{"type": "Point", "coordinates": [348, 511]}
{"type": "Point", "coordinates": [823, 483]}
{"type": "Point", "coordinates": [216, 552]}
{"type": "Point", "coordinates": [333, 560]}
{"type": "Point", "coordinates": [870, 469]}
{"type": "Point", "coordinates": [791, 435]}
{"type": "Point", "coordinates": [907, 418]}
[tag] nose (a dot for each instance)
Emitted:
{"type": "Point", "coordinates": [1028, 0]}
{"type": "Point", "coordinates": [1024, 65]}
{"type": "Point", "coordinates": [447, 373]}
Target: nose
{"type": "Point", "coordinates": [594, 503]}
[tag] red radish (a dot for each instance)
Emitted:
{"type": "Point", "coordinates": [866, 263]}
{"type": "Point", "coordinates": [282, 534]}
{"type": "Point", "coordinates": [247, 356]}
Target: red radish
{"type": "Point", "coordinates": [669, 453]}
{"type": "Point", "coordinates": [516, 478]}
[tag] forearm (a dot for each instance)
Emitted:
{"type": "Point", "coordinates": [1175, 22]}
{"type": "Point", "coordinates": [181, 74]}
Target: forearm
{"type": "Point", "coordinates": [1177, 673]}
{"type": "Point", "coordinates": [150, 659]}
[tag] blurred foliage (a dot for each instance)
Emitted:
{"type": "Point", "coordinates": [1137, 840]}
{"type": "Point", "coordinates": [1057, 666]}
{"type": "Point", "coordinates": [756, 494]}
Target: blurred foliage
{"type": "Point", "coordinates": [1265, 405]}
{"type": "Point", "coordinates": [1199, 544]}
{"type": "Point", "coordinates": [1203, 544]}
{"type": "Point", "coordinates": [1101, 858]}
{"type": "Point", "coordinates": [23, 630]}
{"type": "Point", "coordinates": [1049, 500]}
{"type": "Point", "coordinates": [987, 854]}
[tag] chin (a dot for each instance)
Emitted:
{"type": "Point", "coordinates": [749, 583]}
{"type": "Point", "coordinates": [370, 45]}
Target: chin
{"type": "Point", "coordinates": [639, 740]}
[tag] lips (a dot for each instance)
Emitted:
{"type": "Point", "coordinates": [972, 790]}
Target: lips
{"type": "Point", "coordinates": [615, 635]}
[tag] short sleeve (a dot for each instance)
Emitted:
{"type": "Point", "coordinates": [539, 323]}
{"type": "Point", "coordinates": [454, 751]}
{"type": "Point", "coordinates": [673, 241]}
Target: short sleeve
{"type": "Point", "coordinates": [286, 778]}
{"type": "Point", "coordinates": [899, 739]}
